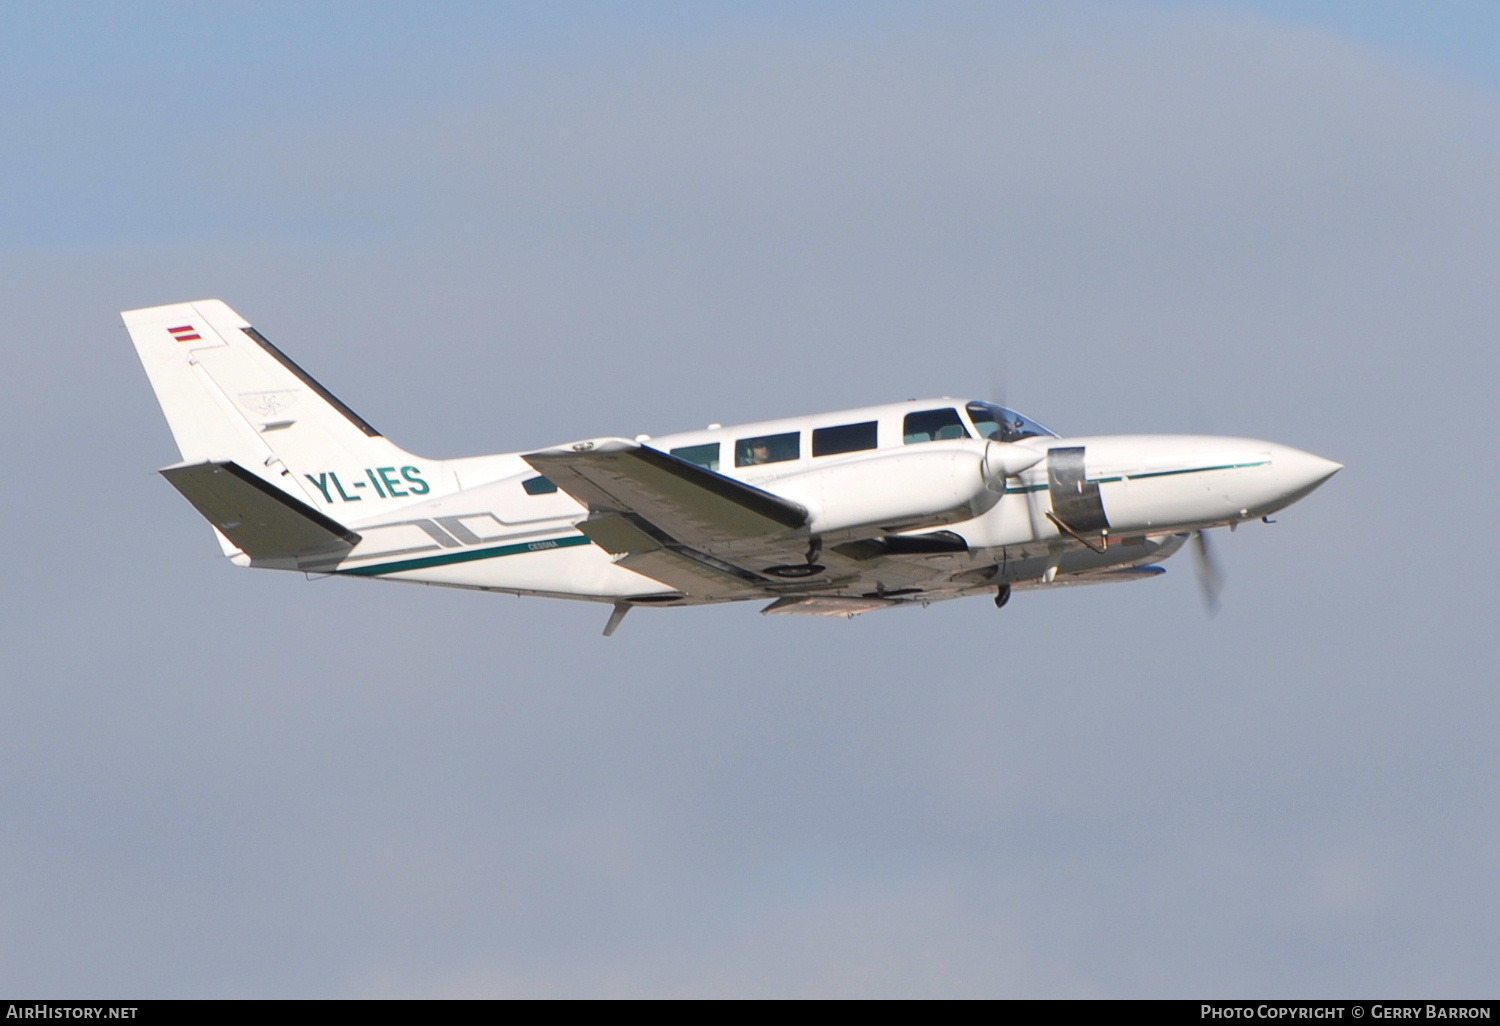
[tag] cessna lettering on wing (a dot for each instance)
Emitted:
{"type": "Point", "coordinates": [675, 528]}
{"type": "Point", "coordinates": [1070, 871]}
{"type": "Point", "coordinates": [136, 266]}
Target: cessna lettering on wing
{"type": "Point", "coordinates": [385, 481]}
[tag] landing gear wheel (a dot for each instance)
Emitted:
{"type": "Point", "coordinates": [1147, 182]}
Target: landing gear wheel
{"type": "Point", "coordinates": [1002, 596]}
{"type": "Point", "coordinates": [794, 570]}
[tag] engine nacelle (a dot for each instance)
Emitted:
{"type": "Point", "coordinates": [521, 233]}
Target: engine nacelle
{"type": "Point", "coordinates": [930, 485]}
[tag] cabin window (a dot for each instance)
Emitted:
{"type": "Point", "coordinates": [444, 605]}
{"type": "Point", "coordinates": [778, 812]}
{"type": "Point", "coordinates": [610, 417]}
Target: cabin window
{"type": "Point", "coordinates": [705, 456]}
{"type": "Point", "coordinates": [539, 486]}
{"type": "Point", "coordinates": [751, 452]}
{"type": "Point", "coordinates": [933, 426]}
{"type": "Point", "coordinates": [831, 441]}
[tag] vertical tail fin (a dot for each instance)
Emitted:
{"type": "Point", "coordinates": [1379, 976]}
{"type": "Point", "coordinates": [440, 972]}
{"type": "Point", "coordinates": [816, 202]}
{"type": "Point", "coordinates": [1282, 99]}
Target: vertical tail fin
{"type": "Point", "coordinates": [229, 395]}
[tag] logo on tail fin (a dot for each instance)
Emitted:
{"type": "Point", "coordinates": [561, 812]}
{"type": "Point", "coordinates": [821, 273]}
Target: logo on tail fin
{"type": "Point", "coordinates": [186, 333]}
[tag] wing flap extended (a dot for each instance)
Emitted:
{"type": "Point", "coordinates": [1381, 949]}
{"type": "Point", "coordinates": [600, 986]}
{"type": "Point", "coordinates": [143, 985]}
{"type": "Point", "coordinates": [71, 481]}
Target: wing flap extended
{"type": "Point", "coordinates": [622, 533]}
{"type": "Point", "coordinates": [266, 523]}
{"type": "Point", "coordinates": [1119, 575]}
{"type": "Point", "coordinates": [693, 576]}
{"type": "Point", "coordinates": [691, 505]}
{"type": "Point", "coordinates": [640, 546]}
{"type": "Point", "coordinates": [826, 605]}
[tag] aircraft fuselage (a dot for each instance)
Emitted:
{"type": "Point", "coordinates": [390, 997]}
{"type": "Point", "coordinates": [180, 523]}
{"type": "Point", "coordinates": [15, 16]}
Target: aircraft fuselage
{"type": "Point", "coordinates": [838, 512]}
{"type": "Point", "coordinates": [1125, 500]}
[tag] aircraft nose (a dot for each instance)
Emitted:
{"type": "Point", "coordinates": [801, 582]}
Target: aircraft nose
{"type": "Point", "coordinates": [1300, 472]}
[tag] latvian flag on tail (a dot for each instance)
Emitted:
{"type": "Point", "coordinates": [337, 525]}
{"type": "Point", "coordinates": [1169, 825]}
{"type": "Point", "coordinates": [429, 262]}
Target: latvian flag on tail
{"type": "Point", "coordinates": [184, 333]}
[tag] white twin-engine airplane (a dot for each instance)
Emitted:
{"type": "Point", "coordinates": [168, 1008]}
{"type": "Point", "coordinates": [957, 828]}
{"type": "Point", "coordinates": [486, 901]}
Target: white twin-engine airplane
{"type": "Point", "coordinates": [834, 514]}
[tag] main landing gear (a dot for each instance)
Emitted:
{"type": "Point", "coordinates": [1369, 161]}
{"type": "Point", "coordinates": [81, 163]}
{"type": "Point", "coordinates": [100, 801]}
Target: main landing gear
{"type": "Point", "coordinates": [809, 569]}
{"type": "Point", "coordinates": [1002, 596]}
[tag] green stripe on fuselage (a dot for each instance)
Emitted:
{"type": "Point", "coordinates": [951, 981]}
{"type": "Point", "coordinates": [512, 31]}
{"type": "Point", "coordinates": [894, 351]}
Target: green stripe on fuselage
{"type": "Point", "coordinates": [1137, 477]}
{"type": "Point", "coordinates": [447, 558]}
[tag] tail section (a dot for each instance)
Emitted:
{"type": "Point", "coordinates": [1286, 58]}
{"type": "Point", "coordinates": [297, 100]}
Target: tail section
{"type": "Point", "coordinates": [231, 397]}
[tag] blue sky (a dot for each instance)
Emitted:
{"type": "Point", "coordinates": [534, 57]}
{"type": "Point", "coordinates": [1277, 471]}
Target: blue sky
{"type": "Point", "coordinates": [492, 227]}
{"type": "Point", "coordinates": [108, 103]}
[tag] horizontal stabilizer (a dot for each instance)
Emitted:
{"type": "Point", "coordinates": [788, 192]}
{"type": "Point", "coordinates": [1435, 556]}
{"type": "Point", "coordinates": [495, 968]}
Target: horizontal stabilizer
{"type": "Point", "coordinates": [264, 522]}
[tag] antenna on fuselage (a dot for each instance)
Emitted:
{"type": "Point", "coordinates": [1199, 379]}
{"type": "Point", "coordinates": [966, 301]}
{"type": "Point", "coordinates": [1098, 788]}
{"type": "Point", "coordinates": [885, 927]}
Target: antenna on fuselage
{"type": "Point", "coordinates": [621, 608]}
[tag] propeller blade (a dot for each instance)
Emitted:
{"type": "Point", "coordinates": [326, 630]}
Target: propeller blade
{"type": "Point", "coordinates": [1210, 573]}
{"type": "Point", "coordinates": [999, 377]}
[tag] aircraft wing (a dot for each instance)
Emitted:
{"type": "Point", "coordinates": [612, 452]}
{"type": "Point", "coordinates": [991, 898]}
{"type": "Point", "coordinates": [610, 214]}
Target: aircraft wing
{"type": "Point", "coordinates": [692, 505]}
{"type": "Point", "coordinates": [672, 520]}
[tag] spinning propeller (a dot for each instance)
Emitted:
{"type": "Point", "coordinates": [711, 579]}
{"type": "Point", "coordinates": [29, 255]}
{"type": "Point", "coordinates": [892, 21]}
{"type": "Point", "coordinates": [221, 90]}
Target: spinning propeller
{"type": "Point", "coordinates": [1210, 574]}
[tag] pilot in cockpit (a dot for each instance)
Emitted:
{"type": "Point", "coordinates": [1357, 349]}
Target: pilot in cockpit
{"type": "Point", "coordinates": [756, 453]}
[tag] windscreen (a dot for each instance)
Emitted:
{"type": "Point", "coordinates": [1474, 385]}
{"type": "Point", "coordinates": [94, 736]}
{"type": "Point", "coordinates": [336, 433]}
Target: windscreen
{"type": "Point", "coordinates": [993, 421]}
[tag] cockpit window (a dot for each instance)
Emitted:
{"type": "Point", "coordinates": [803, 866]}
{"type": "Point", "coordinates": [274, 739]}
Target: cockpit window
{"type": "Point", "coordinates": [750, 452]}
{"type": "Point", "coordinates": [993, 421]}
{"type": "Point", "coordinates": [933, 426]}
